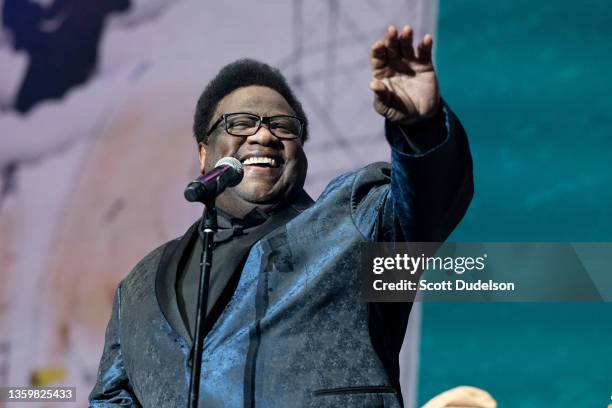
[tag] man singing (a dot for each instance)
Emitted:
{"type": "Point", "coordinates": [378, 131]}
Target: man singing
{"type": "Point", "coordinates": [285, 324]}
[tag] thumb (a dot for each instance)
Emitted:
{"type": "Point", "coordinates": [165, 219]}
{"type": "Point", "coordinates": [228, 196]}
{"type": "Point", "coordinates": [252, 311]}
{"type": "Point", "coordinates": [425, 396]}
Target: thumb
{"type": "Point", "coordinates": [380, 90]}
{"type": "Point", "coordinates": [382, 97]}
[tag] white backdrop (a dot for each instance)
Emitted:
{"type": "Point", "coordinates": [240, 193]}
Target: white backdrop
{"type": "Point", "coordinates": [100, 173]}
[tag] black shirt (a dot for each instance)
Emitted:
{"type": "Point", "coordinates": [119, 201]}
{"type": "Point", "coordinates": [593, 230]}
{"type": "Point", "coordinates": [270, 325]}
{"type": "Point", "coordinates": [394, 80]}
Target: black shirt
{"type": "Point", "coordinates": [232, 244]}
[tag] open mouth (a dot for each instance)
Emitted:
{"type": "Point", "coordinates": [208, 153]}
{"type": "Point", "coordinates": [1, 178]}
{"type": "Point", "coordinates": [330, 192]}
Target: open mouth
{"type": "Point", "coordinates": [262, 161]}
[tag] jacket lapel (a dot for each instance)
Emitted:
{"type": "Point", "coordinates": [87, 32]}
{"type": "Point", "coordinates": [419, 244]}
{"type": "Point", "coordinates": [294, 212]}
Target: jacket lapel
{"type": "Point", "coordinates": [172, 258]}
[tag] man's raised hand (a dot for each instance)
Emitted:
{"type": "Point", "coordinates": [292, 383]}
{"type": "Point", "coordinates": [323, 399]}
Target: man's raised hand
{"type": "Point", "coordinates": [404, 81]}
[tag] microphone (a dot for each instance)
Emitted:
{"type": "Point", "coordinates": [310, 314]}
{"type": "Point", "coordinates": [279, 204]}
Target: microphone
{"type": "Point", "coordinates": [228, 172]}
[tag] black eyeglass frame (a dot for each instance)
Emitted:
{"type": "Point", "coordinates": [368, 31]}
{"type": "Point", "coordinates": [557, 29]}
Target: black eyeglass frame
{"type": "Point", "coordinates": [262, 120]}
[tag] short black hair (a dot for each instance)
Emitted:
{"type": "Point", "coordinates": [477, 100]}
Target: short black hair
{"type": "Point", "coordinates": [238, 74]}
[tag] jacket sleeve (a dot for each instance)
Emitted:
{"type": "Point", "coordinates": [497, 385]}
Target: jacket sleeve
{"type": "Point", "coordinates": [113, 387]}
{"type": "Point", "coordinates": [420, 198]}
{"type": "Point", "coordinates": [431, 180]}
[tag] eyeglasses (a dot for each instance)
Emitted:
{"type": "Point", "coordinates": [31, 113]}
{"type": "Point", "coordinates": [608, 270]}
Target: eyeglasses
{"type": "Point", "coordinates": [247, 124]}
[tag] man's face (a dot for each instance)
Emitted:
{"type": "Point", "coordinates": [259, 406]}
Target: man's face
{"type": "Point", "coordinates": [264, 185]}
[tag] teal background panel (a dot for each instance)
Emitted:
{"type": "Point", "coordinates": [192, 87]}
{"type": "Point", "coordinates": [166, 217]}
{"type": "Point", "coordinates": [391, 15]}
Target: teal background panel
{"type": "Point", "coordinates": [530, 82]}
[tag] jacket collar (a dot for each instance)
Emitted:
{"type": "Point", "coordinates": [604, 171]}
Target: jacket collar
{"type": "Point", "coordinates": [174, 256]}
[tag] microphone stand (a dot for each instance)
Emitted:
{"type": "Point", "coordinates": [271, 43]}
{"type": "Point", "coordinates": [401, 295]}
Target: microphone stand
{"type": "Point", "coordinates": [209, 224]}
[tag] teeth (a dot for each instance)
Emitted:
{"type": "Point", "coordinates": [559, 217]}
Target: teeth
{"type": "Point", "coordinates": [260, 160]}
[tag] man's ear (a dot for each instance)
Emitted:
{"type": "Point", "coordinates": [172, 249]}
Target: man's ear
{"type": "Point", "coordinates": [202, 157]}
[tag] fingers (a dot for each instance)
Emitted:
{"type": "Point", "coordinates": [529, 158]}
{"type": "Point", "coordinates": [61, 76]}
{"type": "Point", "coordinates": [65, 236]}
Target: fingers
{"type": "Point", "coordinates": [424, 49]}
{"type": "Point", "coordinates": [378, 55]}
{"type": "Point", "coordinates": [399, 45]}
{"type": "Point", "coordinates": [396, 54]}
{"type": "Point", "coordinates": [405, 41]}
{"type": "Point", "coordinates": [392, 43]}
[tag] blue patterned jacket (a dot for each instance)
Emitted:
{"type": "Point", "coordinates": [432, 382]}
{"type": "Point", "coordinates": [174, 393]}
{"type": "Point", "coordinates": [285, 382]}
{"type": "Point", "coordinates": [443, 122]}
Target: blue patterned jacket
{"type": "Point", "coordinates": [295, 333]}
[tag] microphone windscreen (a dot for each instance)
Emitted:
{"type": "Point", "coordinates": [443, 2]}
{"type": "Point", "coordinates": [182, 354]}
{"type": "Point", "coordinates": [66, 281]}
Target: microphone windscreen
{"type": "Point", "coordinates": [234, 164]}
{"type": "Point", "coordinates": [231, 161]}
